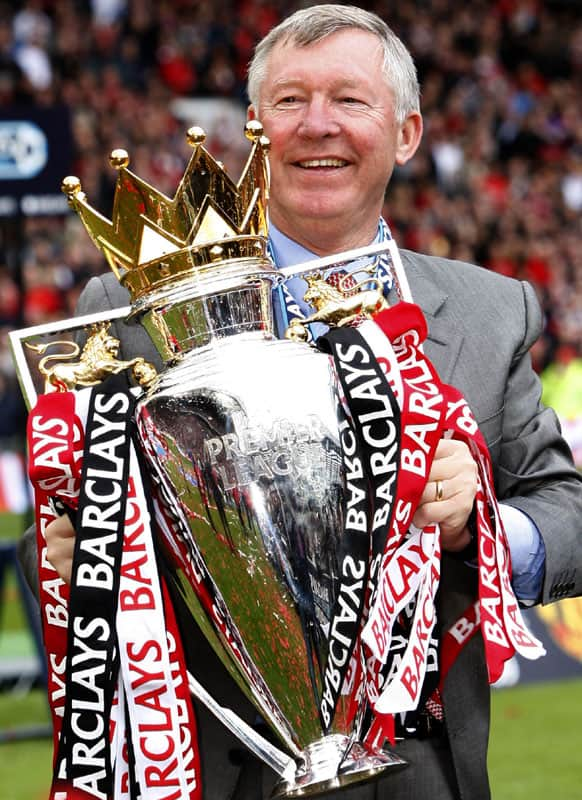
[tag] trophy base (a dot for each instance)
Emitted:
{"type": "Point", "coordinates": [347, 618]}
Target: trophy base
{"type": "Point", "coordinates": [324, 765]}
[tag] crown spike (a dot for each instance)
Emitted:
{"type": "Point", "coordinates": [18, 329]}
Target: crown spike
{"type": "Point", "coordinates": [154, 240]}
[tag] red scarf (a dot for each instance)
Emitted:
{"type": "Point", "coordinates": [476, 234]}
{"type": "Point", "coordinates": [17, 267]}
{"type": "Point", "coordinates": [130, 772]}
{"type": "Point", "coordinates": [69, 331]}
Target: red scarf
{"type": "Point", "coordinates": [149, 748]}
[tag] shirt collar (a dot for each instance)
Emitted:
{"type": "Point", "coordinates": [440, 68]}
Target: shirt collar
{"type": "Point", "coordinates": [287, 252]}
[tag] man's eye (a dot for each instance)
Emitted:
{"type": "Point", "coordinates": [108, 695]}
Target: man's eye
{"type": "Point", "coordinates": [288, 99]}
{"type": "Point", "coordinates": [351, 100]}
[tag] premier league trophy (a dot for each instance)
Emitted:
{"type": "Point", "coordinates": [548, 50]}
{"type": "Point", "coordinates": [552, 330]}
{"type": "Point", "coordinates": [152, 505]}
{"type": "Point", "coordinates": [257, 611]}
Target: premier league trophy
{"type": "Point", "coordinates": [241, 433]}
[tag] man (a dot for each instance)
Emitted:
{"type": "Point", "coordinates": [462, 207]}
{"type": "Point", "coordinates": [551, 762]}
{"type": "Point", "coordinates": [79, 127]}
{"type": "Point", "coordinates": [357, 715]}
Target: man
{"type": "Point", "coordinates": [338, 97]}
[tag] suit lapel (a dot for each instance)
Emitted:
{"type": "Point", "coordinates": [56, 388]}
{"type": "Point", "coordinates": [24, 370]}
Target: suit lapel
{"type": "Point", "coordinates": [444, 339]}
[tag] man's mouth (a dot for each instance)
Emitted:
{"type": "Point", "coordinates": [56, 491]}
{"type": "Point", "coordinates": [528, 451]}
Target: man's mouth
{"type": "Point", "coordinates": [318, 163]}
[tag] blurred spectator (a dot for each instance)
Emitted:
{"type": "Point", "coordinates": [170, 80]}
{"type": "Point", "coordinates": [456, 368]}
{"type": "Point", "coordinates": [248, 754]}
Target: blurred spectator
{"type": "Point", "coordinates": [15, 492]}
{"type": "Point", "coordinates": [562, 383]}
{"type": "Point", "coordinates": [32, 30]}
{"type": "Point", "coordinates": [14, 88]}
{"type": "Point", "coordinates": [572, 182]}
{"type": "Point", "coordinates": [12, 414]}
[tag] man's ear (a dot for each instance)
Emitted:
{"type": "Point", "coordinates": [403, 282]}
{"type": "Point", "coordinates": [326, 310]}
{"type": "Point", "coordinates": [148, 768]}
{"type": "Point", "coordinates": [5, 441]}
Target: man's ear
{"type": "Point", "coordinates": [409, 137]}
{"type": "Point", "coordinates": [251, 113]}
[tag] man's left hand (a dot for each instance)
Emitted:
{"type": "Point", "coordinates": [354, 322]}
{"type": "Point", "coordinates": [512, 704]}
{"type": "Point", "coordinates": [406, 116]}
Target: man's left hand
{"type": "Point", "coordinates": [449, 494]}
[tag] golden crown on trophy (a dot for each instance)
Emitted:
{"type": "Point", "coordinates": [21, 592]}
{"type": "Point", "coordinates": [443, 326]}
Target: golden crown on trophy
{"type": "Point", "coordinates": [153, 240]}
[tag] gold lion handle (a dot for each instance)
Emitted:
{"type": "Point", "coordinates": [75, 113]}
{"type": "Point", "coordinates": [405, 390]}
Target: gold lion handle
{"type": "Point", "coordinates": [96, 361]}
{"type": "Point", "coordinates": [334, 307]}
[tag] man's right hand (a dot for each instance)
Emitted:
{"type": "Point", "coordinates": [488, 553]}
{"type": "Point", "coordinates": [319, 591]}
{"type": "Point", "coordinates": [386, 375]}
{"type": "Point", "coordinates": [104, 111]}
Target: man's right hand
{"type": "Point", "coordinates": [60, 541]}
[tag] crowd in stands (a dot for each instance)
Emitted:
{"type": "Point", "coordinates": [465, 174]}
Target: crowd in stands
{"type": "Point", "coordinates": [498, 180]}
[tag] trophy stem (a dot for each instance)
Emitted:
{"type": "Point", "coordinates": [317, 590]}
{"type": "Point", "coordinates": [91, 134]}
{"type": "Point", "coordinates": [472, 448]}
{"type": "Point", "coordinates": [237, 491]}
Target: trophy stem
{"type": "Point", "coordinates": [279, 761]}
{"type": "Point", "coordinates": [329, 763]}
{"type": "Point", "coordinates": [333, 762]}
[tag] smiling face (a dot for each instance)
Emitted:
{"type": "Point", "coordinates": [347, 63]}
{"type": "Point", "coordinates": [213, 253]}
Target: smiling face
{"type": "Point", "coordinates": [329, 113]}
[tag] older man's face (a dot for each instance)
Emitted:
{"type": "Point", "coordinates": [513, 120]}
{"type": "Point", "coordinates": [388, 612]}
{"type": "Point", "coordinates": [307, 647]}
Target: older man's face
{"type": "Point", "coordinates": [329, 114]}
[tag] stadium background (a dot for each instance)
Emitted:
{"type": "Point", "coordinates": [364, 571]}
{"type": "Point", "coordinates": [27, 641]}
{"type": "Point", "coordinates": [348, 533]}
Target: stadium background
{"type": "Point", "coordinates": [497, 181]}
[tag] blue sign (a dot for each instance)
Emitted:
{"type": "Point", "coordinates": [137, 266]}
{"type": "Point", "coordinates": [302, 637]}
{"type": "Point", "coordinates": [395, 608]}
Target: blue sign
{"type": "Point", "coordinates": [23, 150]}
{"type": "Point", "coordinates": [36, 153]}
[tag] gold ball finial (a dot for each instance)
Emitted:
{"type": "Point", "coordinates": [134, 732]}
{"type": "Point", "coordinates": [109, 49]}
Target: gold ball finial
{"type": "Point", "coordinates": [265, 143]}
{"type": "Point", "coordinates": [71, 185]}
{"type": "Point", "coordinates": [195, 136]}
{"type": "Point", "coordinates": [119, 158]}
{"type": "Point", "coordinates": [297, 332]}
{"type": "Point", "coordinates": [253, 129]}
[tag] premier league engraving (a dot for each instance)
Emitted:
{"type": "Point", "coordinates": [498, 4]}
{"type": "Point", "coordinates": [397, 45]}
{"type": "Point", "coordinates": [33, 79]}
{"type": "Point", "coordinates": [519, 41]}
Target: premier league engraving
{"type": "Point", "coordinates": [243, 436]}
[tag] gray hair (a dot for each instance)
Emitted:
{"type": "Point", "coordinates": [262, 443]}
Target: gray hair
{"type": "Point", "coordinates": [310, 25]}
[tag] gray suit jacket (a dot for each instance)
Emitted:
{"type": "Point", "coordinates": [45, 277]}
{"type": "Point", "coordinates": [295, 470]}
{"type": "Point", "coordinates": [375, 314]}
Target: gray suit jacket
{"type": "Point", "coordinates": [481, 327]}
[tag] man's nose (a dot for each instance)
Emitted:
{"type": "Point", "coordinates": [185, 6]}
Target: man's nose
{"type": "Point", "coordinates": [318, 120]}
